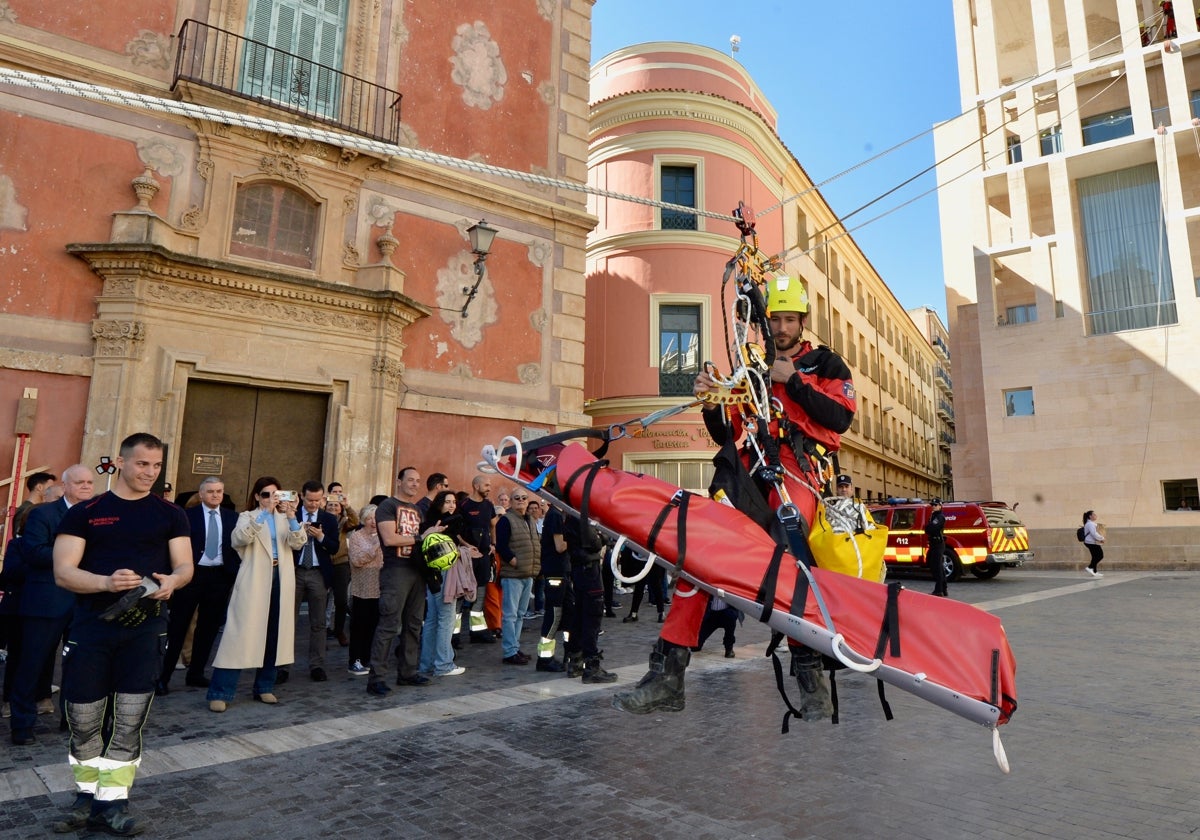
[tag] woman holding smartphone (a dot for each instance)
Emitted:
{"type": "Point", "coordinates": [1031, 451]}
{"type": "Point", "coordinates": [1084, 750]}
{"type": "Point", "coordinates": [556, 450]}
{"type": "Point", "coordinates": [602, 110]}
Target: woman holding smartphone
{"type": "Point", "coordinates": [260, 623]}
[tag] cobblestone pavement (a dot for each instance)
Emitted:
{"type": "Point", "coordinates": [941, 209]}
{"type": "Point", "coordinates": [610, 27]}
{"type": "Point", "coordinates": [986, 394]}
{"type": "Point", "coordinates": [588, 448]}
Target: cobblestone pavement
{"type": "Point", "coordinates": [1103, 745]}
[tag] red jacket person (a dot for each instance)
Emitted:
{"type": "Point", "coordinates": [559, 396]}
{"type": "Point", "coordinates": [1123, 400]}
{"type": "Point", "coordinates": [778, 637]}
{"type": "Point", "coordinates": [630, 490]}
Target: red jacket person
{"type": "Point", "coordinates": [815, 403]}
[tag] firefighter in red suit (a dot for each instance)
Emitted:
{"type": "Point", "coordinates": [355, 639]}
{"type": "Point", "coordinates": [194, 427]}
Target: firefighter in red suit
{"type": "Point", "coordinates": [814, 389]}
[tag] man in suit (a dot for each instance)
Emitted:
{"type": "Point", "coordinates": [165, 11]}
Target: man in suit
{"type": "Point", "coordinates": [314, 571]}
{"type": "Point", "coordinates": [45, 608]}
{"type": "Point", "coordinates": [207, 596]}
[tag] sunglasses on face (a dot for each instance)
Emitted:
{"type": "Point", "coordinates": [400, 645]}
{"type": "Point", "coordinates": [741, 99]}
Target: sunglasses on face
{"type": "Point", "coordinates": [266, 494]}
{"type": "Point", "coordinates": [519, 498]}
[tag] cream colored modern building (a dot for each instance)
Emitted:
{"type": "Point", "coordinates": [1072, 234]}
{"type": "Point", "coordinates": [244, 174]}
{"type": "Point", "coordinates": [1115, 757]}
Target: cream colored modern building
{"type": "Point", "coordinates": [687, 124]}
{"type": "Point", "coordinates": [1071, 240]}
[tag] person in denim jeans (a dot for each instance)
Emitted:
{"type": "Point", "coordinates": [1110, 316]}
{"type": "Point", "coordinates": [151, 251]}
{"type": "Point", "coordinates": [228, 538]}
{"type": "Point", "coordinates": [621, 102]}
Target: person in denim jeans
{"type": "Point", "coordinates": [519, 547]}
{"type": "Point", "coordinates": [437, 654]}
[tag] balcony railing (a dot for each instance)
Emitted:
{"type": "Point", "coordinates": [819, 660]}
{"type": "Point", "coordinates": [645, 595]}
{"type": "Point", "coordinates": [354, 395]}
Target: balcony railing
{"type": "Point", "coordinates": [676, 383]}
{"type": "Point", "coordinates": [675, 220]}
{"type": "Point", "coordinates": [221, 60]}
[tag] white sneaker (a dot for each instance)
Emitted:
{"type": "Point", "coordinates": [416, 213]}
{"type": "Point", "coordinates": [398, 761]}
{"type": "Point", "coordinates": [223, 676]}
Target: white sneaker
{"type": "Point", "coordinates": [454, 672]}
{"type": "Point", "coordinates": [357, 669]}
{"type": "Point", "coordinates": [1097, 574]}
{"type": "Point", "coordinates": [1089, 571]}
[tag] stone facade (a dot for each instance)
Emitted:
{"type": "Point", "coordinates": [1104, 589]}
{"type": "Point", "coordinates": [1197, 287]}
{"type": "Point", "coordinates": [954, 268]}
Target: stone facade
{"type": "Point", "coordinates": [1055, 94]}
{"type": "Point", "coordinates": [125, 282]}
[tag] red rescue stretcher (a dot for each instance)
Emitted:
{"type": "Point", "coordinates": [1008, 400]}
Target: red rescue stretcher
{"type": "Point", "coordinates": [894, 634]}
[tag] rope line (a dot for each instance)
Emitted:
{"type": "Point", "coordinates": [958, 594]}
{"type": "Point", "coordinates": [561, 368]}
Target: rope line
{"type": "Point", "coordinates": [129, 99]}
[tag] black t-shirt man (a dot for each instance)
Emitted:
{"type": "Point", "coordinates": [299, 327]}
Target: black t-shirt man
{"type": "Point", "coordinates": [408, 524]}
{"type": "Point", "coordinates": [478, 516]}
{"type": "Point", "coordinates": [124, 534]}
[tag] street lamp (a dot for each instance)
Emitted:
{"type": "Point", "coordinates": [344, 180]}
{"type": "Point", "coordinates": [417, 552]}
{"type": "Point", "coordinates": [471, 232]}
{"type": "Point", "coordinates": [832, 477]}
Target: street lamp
{"type": "Point", "coordinates": [481, 236]}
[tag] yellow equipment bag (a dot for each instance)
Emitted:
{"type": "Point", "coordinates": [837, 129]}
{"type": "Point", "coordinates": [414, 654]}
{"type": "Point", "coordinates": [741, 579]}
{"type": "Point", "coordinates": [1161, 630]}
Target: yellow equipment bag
{"type": "Point", "coordinates": [845, 539]}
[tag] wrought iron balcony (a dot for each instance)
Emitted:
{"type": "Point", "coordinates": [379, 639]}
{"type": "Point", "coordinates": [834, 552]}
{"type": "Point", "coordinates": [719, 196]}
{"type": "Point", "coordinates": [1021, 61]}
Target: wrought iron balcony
{"type": "Point", "coordinates": [676, 383]}
{"type": "Point", "coordinates": [221, 60]}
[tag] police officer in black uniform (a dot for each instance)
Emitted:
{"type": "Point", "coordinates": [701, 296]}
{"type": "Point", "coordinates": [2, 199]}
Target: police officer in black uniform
{"type": "Point", "coordinates": [935, 541]}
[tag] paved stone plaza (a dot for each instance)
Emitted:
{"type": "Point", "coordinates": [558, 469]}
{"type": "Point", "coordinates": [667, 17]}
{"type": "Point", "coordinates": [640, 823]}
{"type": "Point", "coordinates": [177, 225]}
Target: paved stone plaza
{"type": "Point", "coordinates": [1105, 744]}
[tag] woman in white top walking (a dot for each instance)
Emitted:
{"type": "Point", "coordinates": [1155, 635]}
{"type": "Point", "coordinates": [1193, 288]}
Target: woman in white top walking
{"type": "Point", "coordinates": [1092, 538]}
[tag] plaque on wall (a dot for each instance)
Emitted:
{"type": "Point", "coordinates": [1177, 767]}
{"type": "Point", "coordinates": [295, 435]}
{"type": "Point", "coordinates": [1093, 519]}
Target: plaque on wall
{"type": "Point", "coordinates": [208, 464]}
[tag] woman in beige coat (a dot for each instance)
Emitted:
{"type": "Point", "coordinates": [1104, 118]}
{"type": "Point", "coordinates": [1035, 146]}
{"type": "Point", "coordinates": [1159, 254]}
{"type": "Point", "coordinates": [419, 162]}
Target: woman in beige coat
{"type": "Point", "coordinates": [260, 623]}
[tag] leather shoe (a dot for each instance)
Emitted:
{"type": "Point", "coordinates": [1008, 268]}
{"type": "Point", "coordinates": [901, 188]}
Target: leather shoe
{"type": "Point", "coordinates": [197, 682]}
{"type": "Point", "coordinates": [415, 679]}
{"type": "Point", "coordinates": [23, 738]}
{"type": "Point", "coordinates": [161, 689]}
{"type": "Point", "coordinates": [268, 698]}
{"type": "Point", "coordinates": [515, 659]}
{"type": "Point", "coordinates": [318, 675]}
{"type": "Point", "coordinates": [480, 637]}
{"type": "Point", "coordinates": [281, 676]}
{"type": "Point", "coordinates": [379, 689]}
{"type": "Point", "coordinates": [524, 657]}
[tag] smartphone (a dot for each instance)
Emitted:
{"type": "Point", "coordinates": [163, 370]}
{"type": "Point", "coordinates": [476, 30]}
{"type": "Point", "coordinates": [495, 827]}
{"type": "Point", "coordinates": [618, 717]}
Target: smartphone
{"type": "Point", "coordinates": [285, 495]}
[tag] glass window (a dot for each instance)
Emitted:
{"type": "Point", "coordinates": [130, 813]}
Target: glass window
{"type": "Point", "coordinates": [1014, 149]}
{"type": "Point", "coordinates": [1129, 283]}
{"type": "Point", "coordinates": [679, 349]}
{"type": "Point", "coordinates": [295, 53]}
{"type": "Point", "coordinates": [1181, 494]}
{"type": "Point", "coordinates": [678, 187]}
{"type": "Point", "coordinates": [274, 223]}
{"type": "Point", "coordinates": [1018, 402]}
{"type": "Point", "coordinates": [1051, 141]}
{"type": "Point", "coordinates": [1021, 314]}
{"type": "Point", "coordinates": [1108, 126]}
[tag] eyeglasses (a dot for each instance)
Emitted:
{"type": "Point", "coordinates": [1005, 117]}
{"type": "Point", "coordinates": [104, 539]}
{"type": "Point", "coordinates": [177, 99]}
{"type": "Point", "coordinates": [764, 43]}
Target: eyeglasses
{"type": "Point", "coordinates": [266, 494]}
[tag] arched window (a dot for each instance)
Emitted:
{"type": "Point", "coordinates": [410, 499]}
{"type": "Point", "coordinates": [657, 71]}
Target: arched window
{"type": "Point", "coordinates": [274, 223]}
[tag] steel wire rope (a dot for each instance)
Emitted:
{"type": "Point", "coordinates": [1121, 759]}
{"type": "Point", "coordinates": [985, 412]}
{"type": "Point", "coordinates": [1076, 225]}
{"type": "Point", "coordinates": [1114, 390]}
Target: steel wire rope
{"type": "Point", "coordinates": [1029, 80]}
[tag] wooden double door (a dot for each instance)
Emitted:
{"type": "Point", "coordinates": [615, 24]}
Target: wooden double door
{"type": "Point", "coordinates": [240, 432]}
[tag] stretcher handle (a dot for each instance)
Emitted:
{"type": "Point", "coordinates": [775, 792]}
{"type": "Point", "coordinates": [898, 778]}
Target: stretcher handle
{"type": "Point", "coordinates": [615, 555]}
{"type": "Point", "coordinates": [491, 459]}
{"type": "Point", "coordinates": [843, 652]}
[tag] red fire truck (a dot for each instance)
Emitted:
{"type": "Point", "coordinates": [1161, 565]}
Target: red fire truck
{"type": "Point", "coordinates": [980, 536]}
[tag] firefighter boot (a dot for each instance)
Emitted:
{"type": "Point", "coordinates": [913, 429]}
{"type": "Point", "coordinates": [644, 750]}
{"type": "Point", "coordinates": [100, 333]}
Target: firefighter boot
{"type": "Point", "coordinates": [575, 664]}
{"type": "Point", "coordinates": [661, 689]}
{"type": "Point", "coordinates": [815, 703]}
{"type": "Point", "coordinates": [593, 672]}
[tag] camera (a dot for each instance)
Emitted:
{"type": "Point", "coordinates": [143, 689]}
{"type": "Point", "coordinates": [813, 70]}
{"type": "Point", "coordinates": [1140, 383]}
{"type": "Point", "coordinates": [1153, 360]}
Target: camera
{"type": "Point", "coordinates": [285, 495]}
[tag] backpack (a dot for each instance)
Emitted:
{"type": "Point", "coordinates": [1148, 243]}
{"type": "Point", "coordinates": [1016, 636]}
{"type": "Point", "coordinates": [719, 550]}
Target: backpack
{"type": "Point", "coordinates": [1079, 535]}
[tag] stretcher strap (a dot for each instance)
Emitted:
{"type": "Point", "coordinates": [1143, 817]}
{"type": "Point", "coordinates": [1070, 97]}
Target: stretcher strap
{"type": "Point", "coordinates": [792, 711]}
{"type": "Point", "coordinates": [834, 719]}
{"type": "Point", "coordinates": [889, 639]}
{"type": "Point", "coordinates": [889, 630]}
{"type": "Point", "coordinates": [766, 589]}
{"type": "Point", "coordinates": [679, 500]}
{"type": "Point", "coordinates": [592, 470]}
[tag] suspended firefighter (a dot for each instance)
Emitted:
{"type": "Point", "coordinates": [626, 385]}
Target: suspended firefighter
{"type": "Point", "coordinates": [815, 402]}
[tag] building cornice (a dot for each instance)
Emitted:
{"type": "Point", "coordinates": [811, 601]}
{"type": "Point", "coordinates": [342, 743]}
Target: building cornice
{"type": "Point", "coordinates": [121, 264]}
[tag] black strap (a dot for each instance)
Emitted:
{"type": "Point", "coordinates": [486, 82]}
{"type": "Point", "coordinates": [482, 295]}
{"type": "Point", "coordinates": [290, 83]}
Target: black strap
{"type": "Point", "coordinates": [680, 500]}
{"type": "Point", "coordinates": [592, 470]}
{"type": "Point", "coordinates": [889, 629]}
{"type": "Point", "coordinates": [887, 709]}
{"type": "Point", "coordinates": [833, 694]}
{"type": "Point", "coordinates": [766, 589]}
{"type": "Point", "coordinates": [792, 711]}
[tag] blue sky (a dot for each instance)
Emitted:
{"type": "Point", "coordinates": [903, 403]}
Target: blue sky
{"type": "Point", "coordinates": [846, 86]}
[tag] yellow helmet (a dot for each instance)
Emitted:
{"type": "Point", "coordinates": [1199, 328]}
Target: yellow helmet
{"type": "Point", "coordinates": [786, 294]}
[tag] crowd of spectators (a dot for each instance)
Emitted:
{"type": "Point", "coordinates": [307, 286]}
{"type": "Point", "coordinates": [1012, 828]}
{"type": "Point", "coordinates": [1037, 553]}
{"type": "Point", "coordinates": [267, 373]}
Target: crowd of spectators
{"type": "Point", "coordinates": [400, 583]}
